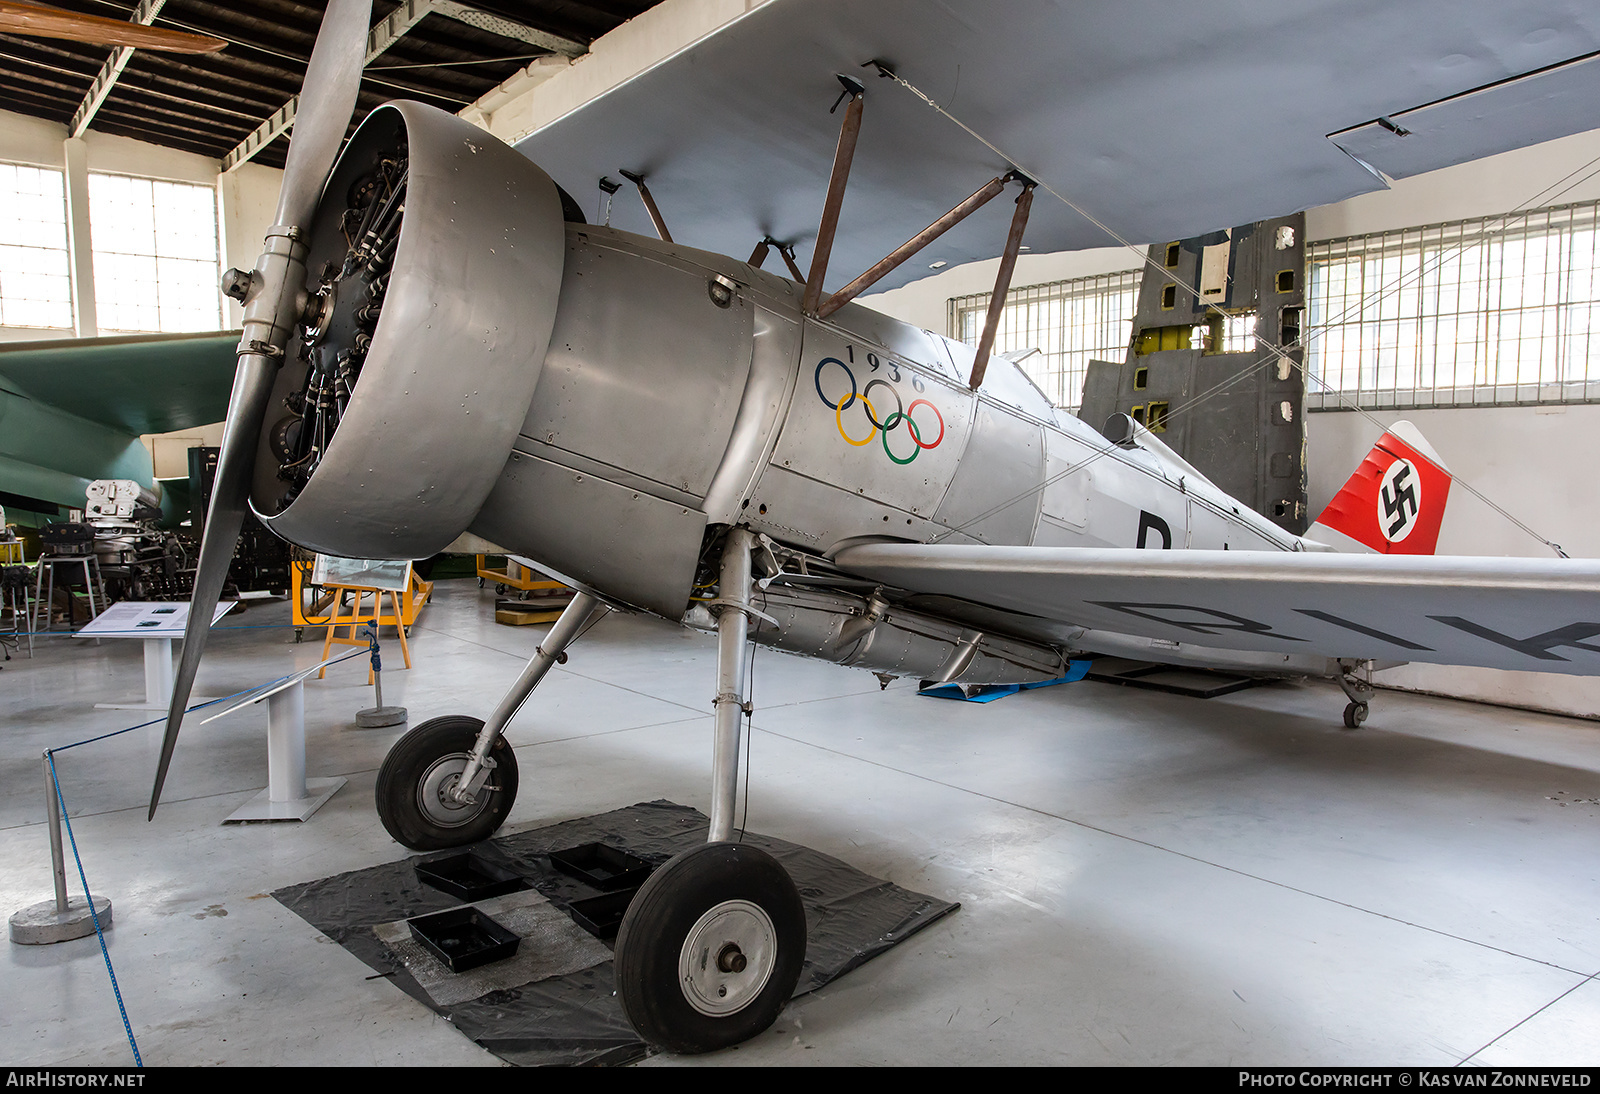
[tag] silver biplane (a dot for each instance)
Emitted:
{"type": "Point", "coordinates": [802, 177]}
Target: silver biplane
{"type": "Point", "coordinates": [436, 342]}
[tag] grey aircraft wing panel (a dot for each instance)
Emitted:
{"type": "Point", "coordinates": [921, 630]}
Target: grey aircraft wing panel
{"type": "Point", "coordinates": [1163, 121]}
{"type": "Point", "coordinates": [1506, 613]}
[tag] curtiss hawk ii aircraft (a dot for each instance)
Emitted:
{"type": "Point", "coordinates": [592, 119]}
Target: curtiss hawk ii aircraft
{"type": "Point", "coordinates": [436, 342]}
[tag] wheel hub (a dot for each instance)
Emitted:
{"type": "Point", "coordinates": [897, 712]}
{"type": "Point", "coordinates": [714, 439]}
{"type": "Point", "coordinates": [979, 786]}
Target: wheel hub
{"type": "Point", "coordinates": [727, 958]}
{"type": "Point", "coordinates": [434, 793]}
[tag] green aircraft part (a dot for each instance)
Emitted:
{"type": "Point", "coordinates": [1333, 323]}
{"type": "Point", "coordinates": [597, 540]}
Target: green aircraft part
{"type": "Point", "coordinates": [72, 410]}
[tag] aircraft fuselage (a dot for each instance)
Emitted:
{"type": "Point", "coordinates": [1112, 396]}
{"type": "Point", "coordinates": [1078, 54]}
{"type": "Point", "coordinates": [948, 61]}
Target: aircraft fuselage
{"type": "Point", "coordinates": [684, 391]}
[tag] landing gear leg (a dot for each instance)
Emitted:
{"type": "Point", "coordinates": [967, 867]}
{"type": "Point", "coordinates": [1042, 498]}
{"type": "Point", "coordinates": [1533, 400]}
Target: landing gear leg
{"type": "Point", "coordinates": [451, 781]}
{"type": "Point", "coordinates": [1359, 690]}
{"type": "Point", "coordinates": [711, 947]}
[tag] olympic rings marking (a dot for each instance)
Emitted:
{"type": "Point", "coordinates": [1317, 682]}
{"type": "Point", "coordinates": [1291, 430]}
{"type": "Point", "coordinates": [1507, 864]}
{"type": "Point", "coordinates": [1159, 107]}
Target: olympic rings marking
{"type": "Point", "coordinates": [838, 416]}
{"type": "Point", "coordinates": [894, 420]}
{"type": "Point", "coordinates": [887, 425]}
{"type": "Point", "coordinates": [916, 435]}
{"type": "Point", "coordinates": [818, 380]}
{"type": "Point", "coordinates": [899, 407]}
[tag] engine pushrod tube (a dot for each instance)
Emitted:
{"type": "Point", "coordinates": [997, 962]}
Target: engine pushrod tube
{"type": "Point", "coordinates": [733, 630]}
{"type": "Point", "coordinates": [550, 652]}
{"type": "Point", "coordinates": [786, 252]}
{"type": "Point", "coordinates": [978, 199]}
{"type": "Point", "coordinates": [649, 205]}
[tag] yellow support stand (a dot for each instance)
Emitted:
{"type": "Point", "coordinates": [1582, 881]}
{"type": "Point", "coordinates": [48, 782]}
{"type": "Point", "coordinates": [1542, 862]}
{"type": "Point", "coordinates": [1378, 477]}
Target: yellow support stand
{"type": "Point", "coordinates": [357, 618]}
{"type": "Point", "coordinates": [503, 579]}
{"type": "Point", "coordinates": [300, 576]}
{"type": "Point", "coordinates": [349, 611]}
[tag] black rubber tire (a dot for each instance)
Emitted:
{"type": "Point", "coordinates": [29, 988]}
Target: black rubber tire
{"type": "Point", "coordinates": [659, 922]}
{"type": "Point", "coordinates": [1354, 715]}
{"type": "Point", "coordinates": [409, 761]}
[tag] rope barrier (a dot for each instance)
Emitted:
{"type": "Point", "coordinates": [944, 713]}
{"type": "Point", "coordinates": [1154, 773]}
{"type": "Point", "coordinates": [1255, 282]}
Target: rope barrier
{"type": "Point", "coordinates": [98, 931]}
{"type": "Point", "coordinates": [61, 803]}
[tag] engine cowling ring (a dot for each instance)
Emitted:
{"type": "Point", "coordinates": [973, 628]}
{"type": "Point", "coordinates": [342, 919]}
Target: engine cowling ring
{"type": "Point", "coordinates": [472, 286]}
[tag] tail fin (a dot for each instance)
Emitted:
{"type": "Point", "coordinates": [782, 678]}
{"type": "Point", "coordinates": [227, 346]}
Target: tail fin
{"type": "Point", "coordinates": [1394, 503]}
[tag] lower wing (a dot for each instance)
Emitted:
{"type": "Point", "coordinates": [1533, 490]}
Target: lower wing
{"type": "Point", "coordinates": [1506, 613]}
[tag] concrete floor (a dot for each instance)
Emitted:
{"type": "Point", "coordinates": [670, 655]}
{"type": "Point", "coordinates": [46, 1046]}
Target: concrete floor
{"type": "Point", "coordinates": [1144, 878]}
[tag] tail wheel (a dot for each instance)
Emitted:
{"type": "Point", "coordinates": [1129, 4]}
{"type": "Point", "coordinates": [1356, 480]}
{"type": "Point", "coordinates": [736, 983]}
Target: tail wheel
{"type": "Point", "coordinates": [711, 948]}
{"type": "Point", "coordinates": [423, 767]}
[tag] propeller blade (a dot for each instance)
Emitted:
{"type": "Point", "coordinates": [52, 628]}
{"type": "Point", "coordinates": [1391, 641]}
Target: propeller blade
{"type": "Point", "coordinates": [247, 407]}
{"type": "Point", "coordinates": [322, 113]}
{"type": "Point", "coordinates": [39, 21]}
{"type": "Point", "coordinates": [272, 315]}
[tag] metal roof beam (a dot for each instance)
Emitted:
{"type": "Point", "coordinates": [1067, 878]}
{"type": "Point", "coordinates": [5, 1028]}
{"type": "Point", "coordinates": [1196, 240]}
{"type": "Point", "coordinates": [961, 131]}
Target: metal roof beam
{"type": "Point", "coordinates": [106, 79]}
{"type": "Point", "coordinates": [380, 38]}
{"type": "Point", "coordinates": [391, 30]}
{"type": "Point", "coordinates": [509, 28]}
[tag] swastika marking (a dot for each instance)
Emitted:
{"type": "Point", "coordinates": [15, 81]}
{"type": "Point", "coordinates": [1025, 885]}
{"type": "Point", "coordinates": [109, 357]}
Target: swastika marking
{"type": "Point", "coordinates": [1399, 500]}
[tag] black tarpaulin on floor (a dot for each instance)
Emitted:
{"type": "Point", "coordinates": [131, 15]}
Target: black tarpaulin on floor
{"type": "Point", "coordinates": [573, 1017]}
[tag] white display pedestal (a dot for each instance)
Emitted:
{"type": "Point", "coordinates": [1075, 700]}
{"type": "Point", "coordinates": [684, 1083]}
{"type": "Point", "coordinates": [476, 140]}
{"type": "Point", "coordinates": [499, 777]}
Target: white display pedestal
{"type": "Point", "coordinates": [155, 623]}
{"type": "Point", "coordinates": [289, 795]}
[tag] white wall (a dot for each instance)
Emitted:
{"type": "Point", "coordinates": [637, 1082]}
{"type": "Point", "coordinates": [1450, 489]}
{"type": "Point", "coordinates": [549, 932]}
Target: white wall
{"type": "Point", "coordinates": [1538, 463]}
{"type": "Point", "coordinates": [247, 198]}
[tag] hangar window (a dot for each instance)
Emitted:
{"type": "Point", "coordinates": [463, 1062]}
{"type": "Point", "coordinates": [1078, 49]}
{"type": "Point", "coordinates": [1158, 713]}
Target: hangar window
{"type": "Point", "coordinates": [35, 276]}
{"type": "Point", "coordinates": [1492, 311]}
{"type": "Point", "coordinates": [155, 254]}
{"type": "Point", "coordinates": [1069, 322]}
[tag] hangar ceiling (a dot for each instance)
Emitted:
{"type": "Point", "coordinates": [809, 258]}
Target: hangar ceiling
{"type": "Point", "coordinates": [211, 104]}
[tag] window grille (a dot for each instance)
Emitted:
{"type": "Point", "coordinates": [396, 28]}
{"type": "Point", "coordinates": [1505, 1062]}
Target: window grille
{"type": "Point", "coordinates": [35, 275]}
{"type": "Point", "coordinates": [1069, 322]}
{"type": "Point", "coordinates": [155, 254]}
{"type": "Point", "coordinates": [1494, 311]}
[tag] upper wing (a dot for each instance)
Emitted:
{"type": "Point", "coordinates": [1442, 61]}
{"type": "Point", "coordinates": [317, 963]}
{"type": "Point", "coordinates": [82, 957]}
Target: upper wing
{"type": "Point", "coordinates": [139, 383]}
{"type": "Point", "coordinates": [1163, 121]}
{"type": "Point", "coordinates": [1506, 613]}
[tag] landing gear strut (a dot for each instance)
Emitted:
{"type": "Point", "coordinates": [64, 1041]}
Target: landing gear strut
{"type": "Point", "coordinates": [451, 781]}
{"type": "Point", "coordinates": [711, 947]}
{"type": "Point", "coordinates": [1360, 692]}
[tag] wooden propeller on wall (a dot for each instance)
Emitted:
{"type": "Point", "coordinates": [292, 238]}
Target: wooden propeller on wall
{"type": "Point", "coordinates": [41, 21]}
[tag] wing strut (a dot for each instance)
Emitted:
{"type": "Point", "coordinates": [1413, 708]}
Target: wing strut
{"type": "Point", "coordinates": [972, 204]}
{"type": "Point", "coordinates": [1002, 283]}
{"type": "Point", "coordinates": [849, 130]}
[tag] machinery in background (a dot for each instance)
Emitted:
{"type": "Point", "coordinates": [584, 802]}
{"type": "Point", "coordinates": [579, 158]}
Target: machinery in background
{"type": "Point", "coordinates": [14, 578]}
{"type": "Point", "coordinates": [261, 560]}
{"type": "Point", "coordinates": [137, 560]}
